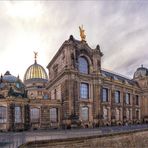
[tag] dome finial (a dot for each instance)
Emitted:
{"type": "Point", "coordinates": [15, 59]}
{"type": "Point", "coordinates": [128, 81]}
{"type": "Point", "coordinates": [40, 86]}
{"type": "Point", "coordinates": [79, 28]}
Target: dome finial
{"type": "Point", "coordinates": [35, 56]}
{"type": "Point", "coordinates": [141, 65]}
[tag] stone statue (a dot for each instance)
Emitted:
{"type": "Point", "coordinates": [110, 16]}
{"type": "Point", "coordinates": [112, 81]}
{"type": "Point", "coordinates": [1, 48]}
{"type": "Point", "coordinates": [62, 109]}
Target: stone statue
{"type": "Point", "coordinates": [82, 34]}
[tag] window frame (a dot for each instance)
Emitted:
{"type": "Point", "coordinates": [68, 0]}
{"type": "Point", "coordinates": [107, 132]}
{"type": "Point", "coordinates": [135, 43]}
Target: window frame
{"type": "Point", "coordinates": [84, 91]}
{"type": "Point", "coordinates": [18, 114]}
{"type": "Point", "coordinates": [137, 114]}
{"type": "Point", "coordinates": [83, 114]}
{"type": "Point", "coordinates": [32, 114]}
{"type": "Point", "coordinates": [53, 117]}
{"type": "Point", "coordinates": [137, 100]}
{"type": "Point", "coordinates": [4, 114]}
{"type": "Point", "coordinates": [83, 65]}
{"type": "Point", "coordinates": [105, 116]}
{"type": "Point", "coordinates": [128, 98]}
{"type": "Point", "coordinates": [106, 99]}
{"type": "Point", "coordinates": [117, 96]}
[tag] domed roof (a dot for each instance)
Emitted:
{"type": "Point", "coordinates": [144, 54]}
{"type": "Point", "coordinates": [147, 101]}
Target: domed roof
{"type": "Point", "coordinates": [9, 78]}
{"type": "Point", "coordinates": [35, 72]}
{"type": "Point", "coordinates": [141, 72]}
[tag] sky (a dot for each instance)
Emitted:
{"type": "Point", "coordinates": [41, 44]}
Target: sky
{"type": "Point", "coordinates": [120, 27]}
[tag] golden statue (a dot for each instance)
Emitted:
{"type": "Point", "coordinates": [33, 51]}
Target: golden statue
{"type": "Point", "coordinates": [82, 34]}
{"type": "Point", "coordinates": [35, 55]}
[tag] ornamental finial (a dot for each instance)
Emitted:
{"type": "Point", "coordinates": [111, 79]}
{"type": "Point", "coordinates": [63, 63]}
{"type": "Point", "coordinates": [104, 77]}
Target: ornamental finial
{"type": "Point", "coordinates": [35, 55]}
{"type": "Point", "coordinates": [82, 34]}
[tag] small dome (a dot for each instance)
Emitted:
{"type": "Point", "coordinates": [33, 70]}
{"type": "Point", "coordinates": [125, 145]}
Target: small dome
{"type": "Point", "coordinates": [35, 71]}
{"type": "Point", "coordinates": [9, 78]}
{"type": "Point", "coordinates": [141, 72]}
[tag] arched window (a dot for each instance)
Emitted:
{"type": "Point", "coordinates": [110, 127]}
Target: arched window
{"type": "Point", "coordinates": [83, 65]}
{"type": "Point", "coordinates": [85, 113]}
{"type": "Point", "coordinates": [2, 114]}
{"type": "Point", "coordinates": [53, 115]}
{"type": "Point", "coordinates": [35, 114]}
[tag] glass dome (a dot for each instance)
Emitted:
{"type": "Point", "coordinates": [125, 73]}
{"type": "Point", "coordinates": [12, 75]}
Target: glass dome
{"type": "Point", "coordinates": [35, 71]}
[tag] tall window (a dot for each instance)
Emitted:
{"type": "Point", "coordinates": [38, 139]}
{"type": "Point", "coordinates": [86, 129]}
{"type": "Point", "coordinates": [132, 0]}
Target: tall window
{"type": "Point", "coordinates": [83, 65]}
{"type": "Point", "coordinates": [127, 114]}
{"type": "Point", "coordinates": [53, 115]}
{"type": "Point", "coordinates": [117, 114]}
{"type": "Point", "coordinates": [35, 114]}
{"type": "Point", "coordinates": [2, 114]}
{"type": "Point", "coordinates": [55, 94]}
{"type": "Point", "coordinates": [18, 114]}
{"type": "Point", "coordinates": [45, 96]}
{"type": "Point", "coordinates": [137, 100]}
{"type": "Point", "coordinates": [117, 96]}
{"type": "Point", "coordinates": [104, 94]}
{"type": "Point", "coordinates": [105, 113]}
{"type": "Point", "coordinates": [85, 113]}
{"type": "Point", "coordinates": [84, 90]}
{"type": "Point", "coordinates": [127, 98]}
{"type": "Point", "coordinates": [137, 114]}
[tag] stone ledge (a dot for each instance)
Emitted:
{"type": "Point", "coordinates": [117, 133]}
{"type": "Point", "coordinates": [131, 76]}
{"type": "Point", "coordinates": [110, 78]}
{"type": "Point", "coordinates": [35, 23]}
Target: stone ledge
{"type": "Point", "coordinates": [120, 139]}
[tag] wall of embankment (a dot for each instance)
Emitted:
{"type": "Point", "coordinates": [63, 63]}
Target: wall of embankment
{"type": "Point", "coordinates": [132, 139]}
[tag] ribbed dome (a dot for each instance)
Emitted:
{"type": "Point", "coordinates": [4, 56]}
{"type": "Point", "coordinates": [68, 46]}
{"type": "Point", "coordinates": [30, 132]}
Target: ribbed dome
{"type": "Point", "coordinates": [141, 72]}
{"type": "Point", "coordinates": [35, 71]}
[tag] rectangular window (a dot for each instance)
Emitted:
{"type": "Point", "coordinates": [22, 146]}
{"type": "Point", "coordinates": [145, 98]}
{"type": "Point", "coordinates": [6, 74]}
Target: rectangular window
{"type": "Point", "coordinates": [104, 95]}
{"type": "Point", "coordinates": [2, 114]}
{"type": "Point", "coordinates": [18, 114]}
{"type": "Point", "coordinates": [117, 96]}
{"type": "Point", "coordinates": [53, 115]}
{"type": "Point", "coordinates": [85, 113]}
{"type": "Point", "coordinates": [105, 113]}
{"type": "Point", "coordinates": [137, 100]}
{"type": "Point", "coordinates": [84, 91]}
{"type": "Point", "coordinates": [35, 114]}
{"type": "Point", "coordinates": [55, 94]}
{"type": "Point", "coordinates": [127, 98]}
{"type": "Point", "coordinates": [39, 93]}
{"type": "Point", "coordinates": [137, 114]}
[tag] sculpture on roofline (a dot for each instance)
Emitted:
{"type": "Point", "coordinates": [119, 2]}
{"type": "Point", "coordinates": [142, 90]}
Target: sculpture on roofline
{"type": "Point", "coordinates": [82, 34]}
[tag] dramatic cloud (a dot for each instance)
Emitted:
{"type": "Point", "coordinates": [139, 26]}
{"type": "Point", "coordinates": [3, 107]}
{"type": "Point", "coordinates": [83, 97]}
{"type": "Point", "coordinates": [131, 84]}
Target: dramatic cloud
{"type": "Point", "coordinates": [121, 29]}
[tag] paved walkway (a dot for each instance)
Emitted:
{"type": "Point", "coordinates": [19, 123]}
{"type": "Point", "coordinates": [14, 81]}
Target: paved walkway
{"type": "Point", "coordinates": [15, 139]}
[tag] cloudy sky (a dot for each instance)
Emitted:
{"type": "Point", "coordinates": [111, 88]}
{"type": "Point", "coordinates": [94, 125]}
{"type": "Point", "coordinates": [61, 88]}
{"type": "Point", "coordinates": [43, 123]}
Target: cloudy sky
{"type": "Point", "coordinates": [120, 27]}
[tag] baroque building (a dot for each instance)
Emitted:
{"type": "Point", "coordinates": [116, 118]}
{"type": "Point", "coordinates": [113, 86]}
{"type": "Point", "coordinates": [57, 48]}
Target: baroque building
{"type": "Point", "coordinates": [77, 92]}
{"type": "Point", "coordinates": [91, 96]}
{"type": "Point", "coordinates": [13, 103]}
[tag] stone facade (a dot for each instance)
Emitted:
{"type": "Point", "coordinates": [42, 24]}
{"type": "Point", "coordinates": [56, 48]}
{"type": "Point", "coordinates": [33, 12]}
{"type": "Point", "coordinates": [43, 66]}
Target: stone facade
{"type": "Point", "coordinates": [76, 93]}
{"type": "Point", "coordinates": [64, 72]}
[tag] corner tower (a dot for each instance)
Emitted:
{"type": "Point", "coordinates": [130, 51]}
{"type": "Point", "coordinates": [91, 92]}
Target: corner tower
{"type": "Point", "coordinates": [74, 75]}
